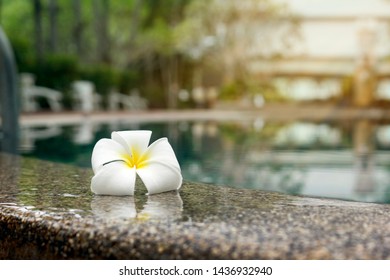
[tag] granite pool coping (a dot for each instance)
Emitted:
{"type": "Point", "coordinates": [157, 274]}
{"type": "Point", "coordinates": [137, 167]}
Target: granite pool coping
{"type": "Point", "coordinates": [48, 212]}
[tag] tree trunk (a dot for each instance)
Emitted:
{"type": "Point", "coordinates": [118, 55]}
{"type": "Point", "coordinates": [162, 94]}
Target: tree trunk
{"type": "Point", "coordinates": [77, 27]}
{"type": "Point", "coordinates": [38, 29]}
{"type": "Point", "coordinates": [135, 21]}
{"type": "Point", "coordinates": [53, 12]}
{"type": "Point", "coordinates": [169, 78]}
{"type": "Point", "coordinates": [101, 11]}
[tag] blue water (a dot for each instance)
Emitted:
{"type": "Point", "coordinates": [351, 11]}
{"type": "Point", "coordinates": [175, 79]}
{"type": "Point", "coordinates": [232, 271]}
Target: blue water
{"type": "Point", "coordinates": [344, 160]}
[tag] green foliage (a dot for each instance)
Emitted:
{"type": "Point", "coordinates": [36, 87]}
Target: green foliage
{"type": "Point", "coordinates": [106, 78]}
{"type": "Point", "coordinates": [247, 87]}
{"type": "Point", "coordinates": [15, 18]}
{"type": "Point", "coordinates": [232, 91]}
{"type": "Point", "coordinates": [23, 52]}
{"type": "Point", "coordinates": [158, 38]}
{"type": "Point", "coordinates": [270, 93]}
{"type": "Point", "coordinates": [154, 96]}
{"type": "Point", "coordinates": [56, 71]}
{"type": "Point", "coordinates": [141, 38]}
{"type": "Point", "coordinates": [146, 43]}
{"type": "Point", "coordinates": [102, 76]}
{"type": "Point", "coordinates": [127, 80]}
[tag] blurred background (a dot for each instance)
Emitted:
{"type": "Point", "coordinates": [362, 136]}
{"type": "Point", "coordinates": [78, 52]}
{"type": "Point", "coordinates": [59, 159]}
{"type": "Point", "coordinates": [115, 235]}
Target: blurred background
{"type": "Point", "coordinates": [186, 54]}
{"type": "Point", "coordinates": [289, 96]}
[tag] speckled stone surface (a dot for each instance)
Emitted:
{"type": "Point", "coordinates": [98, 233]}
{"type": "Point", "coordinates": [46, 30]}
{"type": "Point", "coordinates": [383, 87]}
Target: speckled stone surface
{"type": "Point", "coordinates": [48, 212]}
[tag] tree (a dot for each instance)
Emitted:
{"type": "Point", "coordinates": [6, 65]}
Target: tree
{"type": "Point", "coordinates": [232, 32]}
{"type": "Point", "coordinates": [156, 46]}
{"type": "Point", "coordinates": [53, 11]}
{"type": "Point", "coordinates": [135, 21]}
{"type": "Point", "coordinates": [101, 15]}
{"type": "Point", "coordinates": [77, 31]}
{"type": "Point", "coordinates": [164, 42]}
{"type": "Point", "coordinates": [38, 36]}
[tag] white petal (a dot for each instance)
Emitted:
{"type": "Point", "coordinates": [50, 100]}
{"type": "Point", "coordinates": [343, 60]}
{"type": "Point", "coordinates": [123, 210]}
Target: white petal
{"type": "Point", "coordinates": [115, 178]}
{"type": "Point", "coordinates": [106, 150]}
{"type": "Point", "coordinates": [161, 150]}
{"type": "Point", "coordinates": [133, 140]}
{"type": "Point", "coordinates": [160, 177]}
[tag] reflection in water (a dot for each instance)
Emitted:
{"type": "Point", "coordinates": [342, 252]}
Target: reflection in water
{"type": "Point", "coordinates": [364, 158]}
{"type": "Point", "coordinates": [85, 132]}
{"type": "Point", "coordinates": [30, 134]}
{"type": "Point", "coordinates": [308, 134]}
{"type": "Point", "coordinates": [159, 206]}
{"type": "Point", "coordinates": [347, 160]}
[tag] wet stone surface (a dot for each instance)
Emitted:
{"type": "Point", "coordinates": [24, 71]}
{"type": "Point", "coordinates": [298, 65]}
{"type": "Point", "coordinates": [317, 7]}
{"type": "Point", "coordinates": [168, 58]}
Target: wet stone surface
{"type": "Point", "coordinates": [48, 212]}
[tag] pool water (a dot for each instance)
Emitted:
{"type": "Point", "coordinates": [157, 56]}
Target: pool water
{"type": "Point", "coordinates": [347, 160]}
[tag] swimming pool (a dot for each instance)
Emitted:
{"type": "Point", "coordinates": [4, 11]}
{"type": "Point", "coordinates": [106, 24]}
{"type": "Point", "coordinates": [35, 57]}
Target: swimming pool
{"type": "Point", "coordinates": [342, 159]}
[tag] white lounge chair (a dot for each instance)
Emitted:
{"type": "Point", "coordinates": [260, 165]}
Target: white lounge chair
{"type": "Point", "coordinates": [30, 93]}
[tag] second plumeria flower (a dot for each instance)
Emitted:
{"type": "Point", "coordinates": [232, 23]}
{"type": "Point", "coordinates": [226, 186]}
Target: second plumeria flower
{"type": "Point", "coordinates": [118, 160]}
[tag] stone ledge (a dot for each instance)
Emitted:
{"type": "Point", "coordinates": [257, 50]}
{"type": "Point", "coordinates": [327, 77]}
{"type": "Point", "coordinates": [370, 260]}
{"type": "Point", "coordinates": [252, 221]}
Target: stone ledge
{"type": "Point", "coordinates": [48, 212]}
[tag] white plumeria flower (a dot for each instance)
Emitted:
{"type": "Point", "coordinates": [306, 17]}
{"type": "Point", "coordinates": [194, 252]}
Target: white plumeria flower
{"type": "Point", "coordinates": [116, 162]}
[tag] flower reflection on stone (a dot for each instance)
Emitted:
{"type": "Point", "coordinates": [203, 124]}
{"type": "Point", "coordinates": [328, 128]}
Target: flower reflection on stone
{"type": "Point", "coordinates": [163, 206]}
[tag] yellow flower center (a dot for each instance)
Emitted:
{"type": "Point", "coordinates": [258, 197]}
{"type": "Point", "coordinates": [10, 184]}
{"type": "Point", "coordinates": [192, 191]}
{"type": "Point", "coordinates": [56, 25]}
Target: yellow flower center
{"type": "Point", "coordinates": [136, 159]}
